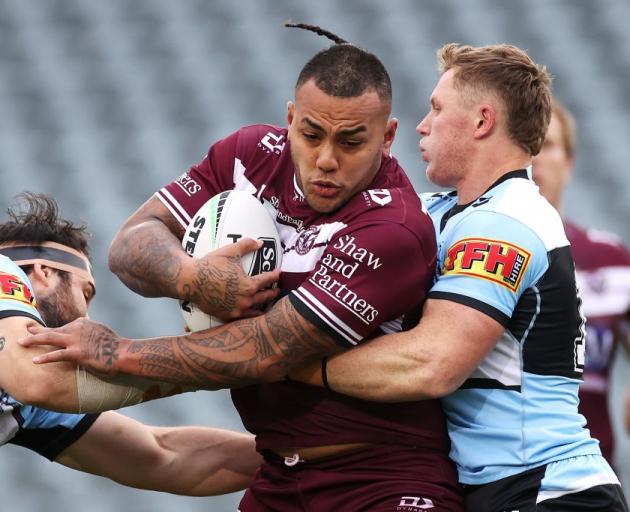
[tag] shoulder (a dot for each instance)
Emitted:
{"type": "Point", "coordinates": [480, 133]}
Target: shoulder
{"type": "Point", "coordinates": [518, 202]}
{"type": "Point", "coordinates": [261, 139]}
{"type": "Point", "coordinates": [594, 248]}
{"type": "Point", "coordinates": [17, 297]}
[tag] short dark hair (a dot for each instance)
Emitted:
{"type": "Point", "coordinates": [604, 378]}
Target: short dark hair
{"type": "Point", "coordinates": [37, 220]}
{"type": "Point", "coordinates": [344, 70]}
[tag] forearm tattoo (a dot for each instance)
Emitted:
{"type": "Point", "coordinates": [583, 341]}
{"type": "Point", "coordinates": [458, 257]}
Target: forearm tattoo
{"type": "Point", "coordinates": [214, 286]}
{"type": "Point", "coordinates": [2, 342]}
{"type": "Point", "coordinates": [148, 262]}
{"type": "Point", "coordinates": [251, 350]}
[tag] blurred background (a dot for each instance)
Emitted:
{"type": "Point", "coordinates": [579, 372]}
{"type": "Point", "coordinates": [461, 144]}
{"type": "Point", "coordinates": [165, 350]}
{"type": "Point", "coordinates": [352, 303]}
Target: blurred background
{"type": "Point", "coordinates": [102, 103]}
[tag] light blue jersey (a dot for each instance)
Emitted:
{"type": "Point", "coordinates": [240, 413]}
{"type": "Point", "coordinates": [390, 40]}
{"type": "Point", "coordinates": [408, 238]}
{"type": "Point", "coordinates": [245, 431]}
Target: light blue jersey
{"type": "Point", "coordinates": [506, 255]}
{"type": "Point", "coordinates": [46, 432]}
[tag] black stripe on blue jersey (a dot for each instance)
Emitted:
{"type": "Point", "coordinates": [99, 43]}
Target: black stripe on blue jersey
{"type": "Point", "coordinates": [458, 208]}
{"type": "Point", "coordinates": [50, 442]}
{"type": "Point", "coordinates": [479, 305]}
{"type": "Point", "coordinates": [487, 384]}
{"type": "Point", "coordinates": [316, 320]}
{"type": "Point", "coordinates": [7, 313]}
{"type": "Point", "coordinates": [547, 320]}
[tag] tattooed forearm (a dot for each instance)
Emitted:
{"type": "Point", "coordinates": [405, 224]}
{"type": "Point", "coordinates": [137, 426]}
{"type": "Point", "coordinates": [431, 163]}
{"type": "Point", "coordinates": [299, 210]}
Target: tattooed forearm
{"type": "Point", "coordinates": [148, 261]}
{"type": "Point", "coordinates": [214, 286]}
{"type": "Point", "coordinates": [251, 350]}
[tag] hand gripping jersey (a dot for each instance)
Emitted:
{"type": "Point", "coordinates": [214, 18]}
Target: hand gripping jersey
{"type": "Point", "coordinates": [45, 432]}
{"type": "Point", "coordinates": [603, 278]}
{"type": "Point", "coordinates": [506, 255]}
{"type": "Point", "coordinates": [355, 273]}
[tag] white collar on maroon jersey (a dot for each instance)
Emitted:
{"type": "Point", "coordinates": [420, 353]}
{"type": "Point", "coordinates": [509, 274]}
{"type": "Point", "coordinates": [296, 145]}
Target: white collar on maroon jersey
{"type": "Point", "coordinates": [297, 189]}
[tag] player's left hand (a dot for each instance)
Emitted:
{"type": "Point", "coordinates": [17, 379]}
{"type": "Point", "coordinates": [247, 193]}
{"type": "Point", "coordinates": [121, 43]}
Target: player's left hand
{"type": "Point", "coordinates": [84, 342]}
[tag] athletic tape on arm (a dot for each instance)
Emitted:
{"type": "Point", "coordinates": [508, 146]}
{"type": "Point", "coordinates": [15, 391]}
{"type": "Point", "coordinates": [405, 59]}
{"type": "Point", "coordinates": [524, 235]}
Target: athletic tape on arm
{"type": "Point", "coordinates": [97, 395]}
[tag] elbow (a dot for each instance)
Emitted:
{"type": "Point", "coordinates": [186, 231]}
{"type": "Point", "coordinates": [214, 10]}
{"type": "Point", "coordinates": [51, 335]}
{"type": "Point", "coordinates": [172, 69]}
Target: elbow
{"type": "Point", "coordinates": [113, 259]}
{"type": "Point", "coordinates": [432, 383]}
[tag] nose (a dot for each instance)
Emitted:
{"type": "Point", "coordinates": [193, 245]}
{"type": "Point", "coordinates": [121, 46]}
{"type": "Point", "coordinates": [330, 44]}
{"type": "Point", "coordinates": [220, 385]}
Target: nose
{"type": "Point", "coordinates": [423, 126]}
{"type": "Point", "coordinates": [326, 159]}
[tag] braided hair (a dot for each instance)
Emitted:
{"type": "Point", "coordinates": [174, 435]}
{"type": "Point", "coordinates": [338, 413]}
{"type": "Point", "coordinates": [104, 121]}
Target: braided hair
{"type": "Point", "coordinates": [344, 70]}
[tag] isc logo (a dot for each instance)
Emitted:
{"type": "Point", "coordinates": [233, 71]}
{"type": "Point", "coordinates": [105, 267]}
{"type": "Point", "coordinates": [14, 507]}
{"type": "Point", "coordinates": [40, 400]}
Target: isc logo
{"type": "Point", "coordinates": [265, 258]}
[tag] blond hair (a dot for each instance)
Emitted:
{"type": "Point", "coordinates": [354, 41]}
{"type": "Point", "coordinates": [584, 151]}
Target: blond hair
{"type": "Point", "coordinates": [567, 122]}
{"type": "Point", "coordinates": [523, 86]}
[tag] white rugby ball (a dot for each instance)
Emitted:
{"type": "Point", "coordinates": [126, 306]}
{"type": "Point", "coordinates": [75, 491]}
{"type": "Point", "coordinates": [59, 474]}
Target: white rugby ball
{"type": "Point", "coordinates": [223, 220]}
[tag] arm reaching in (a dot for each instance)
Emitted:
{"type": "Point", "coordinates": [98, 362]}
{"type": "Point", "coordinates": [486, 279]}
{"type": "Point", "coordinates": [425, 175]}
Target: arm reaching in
{"type": "Point", "coordinates": [264, 348]}
{"type": "Point", "coordinates": [61, 386]}
{"type": "Point", "coordinates": [195, 461]}
{"type": "Point", "coordinates": [147, 256]}
{"type": "Point", "coordinates": [429, 361]}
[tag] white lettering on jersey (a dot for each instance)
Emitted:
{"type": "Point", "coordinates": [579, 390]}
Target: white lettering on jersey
{"type": "Point", "coordinates": [274, 143]}
{"type": "Point", "coordinates": [340, 293]}
{"type": "Point", "coordinates": [347, 246]}
{"type": "Point", "coordinates": [188, 184]}
{"type": "Point", "coordinates": [414, 503]}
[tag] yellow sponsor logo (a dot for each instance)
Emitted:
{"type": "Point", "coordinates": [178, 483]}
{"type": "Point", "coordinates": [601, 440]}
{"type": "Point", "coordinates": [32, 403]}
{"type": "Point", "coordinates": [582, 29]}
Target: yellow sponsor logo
{"type": "Point", "coordinates": [13, 288]}
{"type": "Point", "coordinates": [494, 260]}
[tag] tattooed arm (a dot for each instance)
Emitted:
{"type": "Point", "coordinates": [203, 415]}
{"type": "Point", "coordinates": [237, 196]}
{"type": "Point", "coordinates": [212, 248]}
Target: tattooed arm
{"type": "Point", "coordinates": [240, 353]}
{"type": "Point", "coordinates": [147, 256]}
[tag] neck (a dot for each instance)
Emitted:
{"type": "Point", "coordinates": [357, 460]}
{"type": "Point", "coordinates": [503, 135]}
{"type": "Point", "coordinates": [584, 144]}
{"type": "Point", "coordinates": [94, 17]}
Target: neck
{"type": "Point", "coordinates": [483, 173]}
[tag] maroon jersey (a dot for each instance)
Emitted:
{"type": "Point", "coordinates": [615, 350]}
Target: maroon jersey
{"type": "Point", "coordinates": [355, 273]}
{"type": "Point", "coordinates": [603, 277]}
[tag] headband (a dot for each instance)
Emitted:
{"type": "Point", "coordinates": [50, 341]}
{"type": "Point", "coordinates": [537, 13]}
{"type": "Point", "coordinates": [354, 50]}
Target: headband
{"type": "Point", "coordinates": [51, 254]}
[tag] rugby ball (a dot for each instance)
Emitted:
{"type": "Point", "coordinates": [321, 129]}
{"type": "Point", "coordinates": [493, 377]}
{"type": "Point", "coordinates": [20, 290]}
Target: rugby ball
{"type": "Point", "coordinates": [223, 220]}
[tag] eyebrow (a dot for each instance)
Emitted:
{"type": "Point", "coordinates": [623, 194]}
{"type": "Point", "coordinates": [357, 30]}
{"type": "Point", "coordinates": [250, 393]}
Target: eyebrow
{"type": "Point", "coordinates": [345, 133]}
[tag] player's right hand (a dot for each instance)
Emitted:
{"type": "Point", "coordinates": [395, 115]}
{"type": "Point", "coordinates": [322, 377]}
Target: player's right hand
{"type": "Point", "coordinates": [218, 285]}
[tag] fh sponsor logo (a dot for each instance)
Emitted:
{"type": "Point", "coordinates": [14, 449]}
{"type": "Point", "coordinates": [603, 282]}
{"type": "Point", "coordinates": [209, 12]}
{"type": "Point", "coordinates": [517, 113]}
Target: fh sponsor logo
{"type": "Point", "coordinates": [187, 184]}
{"type": "Point", "coordinates": [13, 288]}
{"type": "Point", "coordinates": [493, 260]}
{"type": "Point", "coordinates": [414, 504]}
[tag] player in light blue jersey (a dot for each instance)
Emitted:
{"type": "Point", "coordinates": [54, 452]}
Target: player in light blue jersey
{"type": "Point", "coordinates": [502, 334]}
{"type": "Point", "coordinates": [56, 285]}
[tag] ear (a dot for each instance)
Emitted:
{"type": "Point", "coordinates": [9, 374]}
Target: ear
{"type": "Point", "coordinates": [42, 276]}
{"type": "Point", "coordinates": [389, 136]}
{"type": "Point", "coordinates": [290, 112]}
{"type": "Point", "coordinates": [485, 121]}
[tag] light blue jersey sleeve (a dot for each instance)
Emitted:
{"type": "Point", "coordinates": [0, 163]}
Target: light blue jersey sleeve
{"type": "Point", "coordinates": [486, 260]}
{"type": "Point", "coordinates": [16, 292]}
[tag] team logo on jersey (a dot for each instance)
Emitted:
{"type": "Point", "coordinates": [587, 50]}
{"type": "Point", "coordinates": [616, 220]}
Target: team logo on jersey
{"type": "Point", "coordinates": [380, 196]}
{"type": "Point", "coordinates": [495, 260]}
{"type": "Point", "coordinates": [13, 288]}
{"type": "Point", "coordinates": [306, 240]}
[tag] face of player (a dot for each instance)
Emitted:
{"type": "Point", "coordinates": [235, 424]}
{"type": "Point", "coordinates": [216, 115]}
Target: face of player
{"type": "Point", "coordinates": [446, 133]}
{"type": "Point", "coordinates": [60, 301]}
{"type": "Point", "coordinates": [552, 166]}
{"type": "Point", "coordinates": [337, 144]}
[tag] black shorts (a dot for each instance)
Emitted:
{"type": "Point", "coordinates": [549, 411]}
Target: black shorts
{"type": "Point", "coordinates": [522, 493]}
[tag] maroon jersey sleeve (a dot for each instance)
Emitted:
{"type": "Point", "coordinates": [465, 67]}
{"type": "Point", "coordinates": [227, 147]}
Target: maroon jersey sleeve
{"type": "Point", "coordinates": [187, 193]}
{"type": "Point", "coordinates": [370, 274]}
